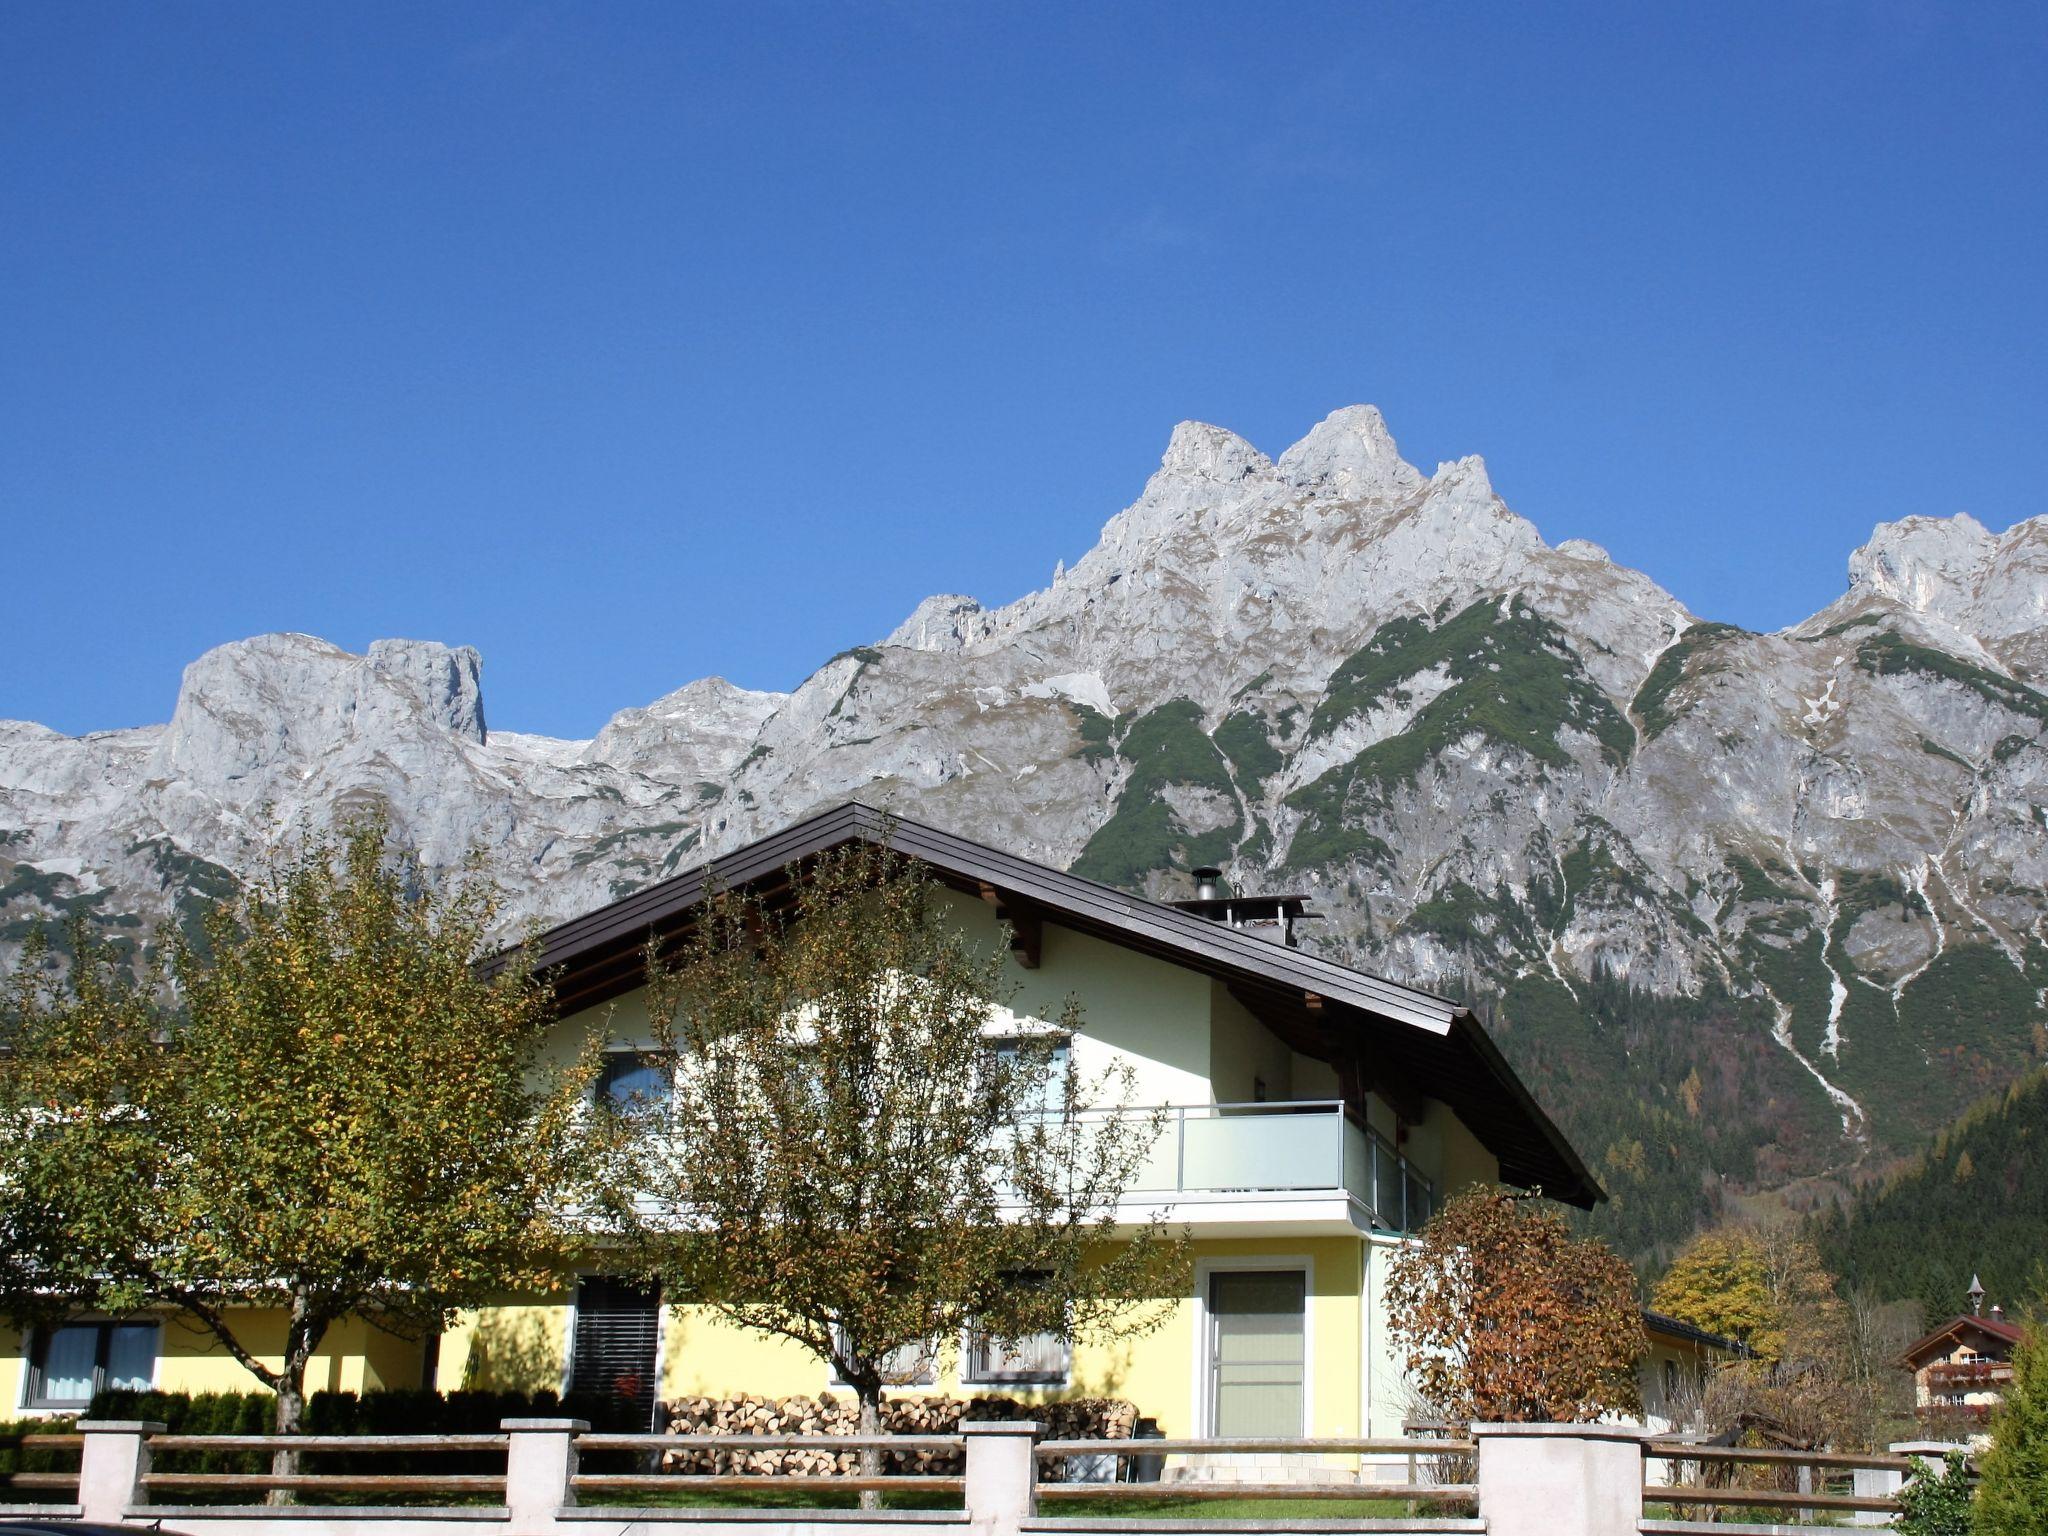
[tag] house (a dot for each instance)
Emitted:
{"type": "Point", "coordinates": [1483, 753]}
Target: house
{"type": "Point", "coordinates": [1316, 1115]}
{"type": "Point", "coordinates": [1961, 1369]}
{"type": "Point", "coordinates": [1676, 1368]}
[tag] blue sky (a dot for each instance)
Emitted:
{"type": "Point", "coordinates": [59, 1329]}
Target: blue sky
{"type": "Point", "coordinates": [631, 343]}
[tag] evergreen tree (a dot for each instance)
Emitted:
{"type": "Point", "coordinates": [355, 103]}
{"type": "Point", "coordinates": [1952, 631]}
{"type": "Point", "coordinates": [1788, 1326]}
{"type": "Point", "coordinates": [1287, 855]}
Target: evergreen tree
{"type": "Point", "coordinates": [2012, 1498]}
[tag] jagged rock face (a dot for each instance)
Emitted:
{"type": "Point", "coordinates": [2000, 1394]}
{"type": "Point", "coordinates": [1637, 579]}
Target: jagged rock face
{"type": "Point", "coordinates": [1494, 762]}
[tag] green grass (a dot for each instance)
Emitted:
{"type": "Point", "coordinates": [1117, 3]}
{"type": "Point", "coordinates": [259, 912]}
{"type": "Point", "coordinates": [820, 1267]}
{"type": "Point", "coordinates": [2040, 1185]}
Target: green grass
{"type": "Point", "coordinates": [1891, 655]}
{"type": "Point", "coordinates": [1514, 681]}
{"type": "Point", "coordinates": [1095, 728]}
{"type": "Point", "coordinates": [1167, 1507]}
{"type": "Point", "coordinates": [1689, 656]}
{"type": "Point", "coordinates": [1165, 747]}
{"type": "Point", "coordinates": [1243, 739]}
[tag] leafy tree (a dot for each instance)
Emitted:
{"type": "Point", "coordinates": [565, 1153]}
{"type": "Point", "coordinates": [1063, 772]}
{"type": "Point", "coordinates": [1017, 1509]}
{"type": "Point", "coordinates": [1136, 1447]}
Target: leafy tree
{"type": "Point", "coordinates": [1821, 1372]}
{"type": "Point", "coordinates": [1506, 1316]}
{"type": "Point", "coordinates": [2012, 1498]}
{"type": "Point", "coordinates": [1717, 1282]}
{"type": "Point", "coordinates": [852, 1165]}
{"type": "Point", "coordinates": [324, 1109]}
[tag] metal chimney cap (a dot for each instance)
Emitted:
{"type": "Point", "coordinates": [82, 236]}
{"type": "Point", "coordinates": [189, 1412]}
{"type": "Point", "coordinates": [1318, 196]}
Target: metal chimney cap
{"type": "Point", "coordinates": [1206, 886]}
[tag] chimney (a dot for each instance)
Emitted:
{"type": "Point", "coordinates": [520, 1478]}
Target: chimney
{"type": "Point", "coordinates": [1997, 1313]}
{"type": "Point", "coordinates": [1207, 886]}
{"type": "Point", "coordinates": [1976, 1295]}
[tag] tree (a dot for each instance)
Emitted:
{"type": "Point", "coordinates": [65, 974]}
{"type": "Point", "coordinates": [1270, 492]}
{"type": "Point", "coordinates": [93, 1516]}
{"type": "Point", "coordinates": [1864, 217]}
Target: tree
{"type": "Point", "coordinates": [1717, 1282]}
{"type": "Point", "coordinates": [1506, 1316]}
{"type": "Point", "coordinates": [325, 1109]}
{"type": "Point", "coordinates": [2012, 1497]}
{"type": "Point", "coordinates": [871, 1155]}
{"type": "Point", "coordinates": [1820, 1374]}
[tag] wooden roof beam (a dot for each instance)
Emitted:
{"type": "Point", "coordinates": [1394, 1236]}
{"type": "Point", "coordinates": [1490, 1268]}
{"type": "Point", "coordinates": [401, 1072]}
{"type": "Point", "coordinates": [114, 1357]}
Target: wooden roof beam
{"type": "Point", "coordinates": [1027, 926]}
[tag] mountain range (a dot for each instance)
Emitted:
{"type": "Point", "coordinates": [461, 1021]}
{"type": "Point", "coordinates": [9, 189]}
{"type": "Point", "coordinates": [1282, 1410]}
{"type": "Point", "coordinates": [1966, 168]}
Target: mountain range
{"type": "Point", "coordinates": [1752, 911]}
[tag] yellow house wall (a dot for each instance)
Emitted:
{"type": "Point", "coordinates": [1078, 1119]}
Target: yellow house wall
{"type": "Point", "coordinates": [13, 1369]}
{"type": "Point", "coordinates": [1159, 1370]}
{"type": "Point", "coordinates": [353, 1357]}
{"type": "Point", "coordinates": [520, 1346]}
{"type": "Point", "coordinates": [1147, 1013]}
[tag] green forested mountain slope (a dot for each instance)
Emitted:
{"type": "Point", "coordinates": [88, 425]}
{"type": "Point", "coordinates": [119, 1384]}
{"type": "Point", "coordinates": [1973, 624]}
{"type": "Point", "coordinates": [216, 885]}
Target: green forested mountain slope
{"type": "Point", "coordinates": [1975, 1201]}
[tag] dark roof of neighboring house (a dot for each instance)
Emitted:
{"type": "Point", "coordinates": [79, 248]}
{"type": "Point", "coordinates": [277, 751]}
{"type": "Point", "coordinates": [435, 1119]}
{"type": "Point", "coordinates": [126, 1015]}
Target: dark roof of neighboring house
{"type": "Point", "coordinates": [1664, 1325]}
{"type": "Point", "coordinates": [1406, 1044]}
{"type": "Point", "coordinates": [1993, 1328]}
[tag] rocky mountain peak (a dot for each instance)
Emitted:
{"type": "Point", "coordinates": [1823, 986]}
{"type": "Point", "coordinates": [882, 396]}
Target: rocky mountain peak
{"type": "Point", "coordinates": [1351, 454]}
{"type": "Point", "coordinates": [1989, 590]}
{"type": "Point", "coordinates": [1198, 451]}
{"type": "Point", "coordinates": [247, 704]}
{"type": "Point", "coordinates": [946, 622]}
{"type": "Point", "coordinates": [1924, 563]}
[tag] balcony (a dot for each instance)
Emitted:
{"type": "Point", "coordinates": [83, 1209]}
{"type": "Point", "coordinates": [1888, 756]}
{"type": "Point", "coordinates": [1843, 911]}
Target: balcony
{"type": "Point", "coordinates": [1208, 1151]}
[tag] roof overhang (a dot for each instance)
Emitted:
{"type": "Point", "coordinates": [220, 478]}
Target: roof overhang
{"type": "Point", "coordinates": [1405, 1042]}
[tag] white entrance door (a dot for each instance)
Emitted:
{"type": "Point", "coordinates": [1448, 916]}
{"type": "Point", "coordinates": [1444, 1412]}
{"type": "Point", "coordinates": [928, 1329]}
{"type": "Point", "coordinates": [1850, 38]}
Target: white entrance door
{"type": "Point", "coordinates": [1257, 1359]}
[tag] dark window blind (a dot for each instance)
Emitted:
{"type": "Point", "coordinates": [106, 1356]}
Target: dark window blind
{"type": "Point", "coordinates": [618, 1334]}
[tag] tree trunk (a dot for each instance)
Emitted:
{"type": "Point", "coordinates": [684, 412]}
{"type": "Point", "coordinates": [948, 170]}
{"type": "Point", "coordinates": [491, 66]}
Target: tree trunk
{"type": "Point", "coordinates": [302, 1337]}
{"type": "Point", "coordinates": [870, 1455]}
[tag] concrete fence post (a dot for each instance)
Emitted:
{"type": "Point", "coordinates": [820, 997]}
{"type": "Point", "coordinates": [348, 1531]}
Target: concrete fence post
{"type": "Point", "coordinates": [1874, 1483]}
{"type": "Point", "coordinates": [540, 1460]}
{"type": "Point", "coordinates": [112, 1465]}
{"type": "Point", "coordinates": [1544, 1479]}
{"type": "Point", "coordinates": [1002, 1475]}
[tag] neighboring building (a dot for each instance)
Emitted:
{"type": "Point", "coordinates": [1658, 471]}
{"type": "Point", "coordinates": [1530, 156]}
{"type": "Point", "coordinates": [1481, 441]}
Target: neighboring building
{"type": "Point", "coordinates": [1961, 1369]}
{"type": "Point", "coordinates": [1317, 1114]}
{"type": "Point", "coordinates": [1675, 1372]}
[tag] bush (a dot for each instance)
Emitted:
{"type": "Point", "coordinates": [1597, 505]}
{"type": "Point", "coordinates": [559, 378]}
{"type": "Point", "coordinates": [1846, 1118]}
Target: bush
{"type": "Point", "coordinates": [17, 1454]}
{"type": "Point", "coordinates": [2013, 1498]}
{"type": "Point", "coordinates": [1936, 1503]}
{"type": "Point", "coordinates": [405, 1412]}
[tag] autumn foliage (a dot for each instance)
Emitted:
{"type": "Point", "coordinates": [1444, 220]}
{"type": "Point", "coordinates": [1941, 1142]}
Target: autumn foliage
{"type": "Point", "coordinates": [324, 1110]}
{"type": "Point", "coordinates": [1504, 1315]}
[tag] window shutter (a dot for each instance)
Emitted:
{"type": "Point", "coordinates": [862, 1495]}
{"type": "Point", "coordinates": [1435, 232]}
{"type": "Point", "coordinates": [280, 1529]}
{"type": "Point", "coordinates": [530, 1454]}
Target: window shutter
{"type": "Point", "coordinates": [618, 1336]}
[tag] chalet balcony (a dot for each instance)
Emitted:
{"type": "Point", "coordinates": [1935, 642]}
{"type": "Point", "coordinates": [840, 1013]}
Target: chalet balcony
{"type": "Point", "coordinates": [1278, 1151]}
{"type": "Point", "coordinates": [1968, 1375]}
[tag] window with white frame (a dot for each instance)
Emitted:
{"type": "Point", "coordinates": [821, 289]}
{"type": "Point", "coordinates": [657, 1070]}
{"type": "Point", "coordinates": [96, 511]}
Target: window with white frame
{"type": "Point", "coordinates": [1040, 1358]}
{"type": "Point", "coordinates": [70, 1364]}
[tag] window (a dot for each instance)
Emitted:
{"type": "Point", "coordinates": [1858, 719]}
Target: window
{"type": "Point", "coordinates": [908, 1365]}
{"type": "Point", "coordinates": [1670, 1381]}
{"type": "Point", "coordinates": [639, 1082]}
{"type": "Point", "coordinates": [615, 1355]}
{"type": "Point", "coordinates": [68, 1365]}
{"type": "Point", "coordinates": [1052, 1094]}
{"type": "Point", "coordinates": [1043, 1358]}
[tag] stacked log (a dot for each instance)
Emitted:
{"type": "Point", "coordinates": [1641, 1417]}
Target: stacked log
{"type": "Point", "coordinates": [1088, 1418]}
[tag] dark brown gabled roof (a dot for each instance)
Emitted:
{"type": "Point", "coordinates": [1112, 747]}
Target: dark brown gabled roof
{"type": "Point", "coordinates": [1664, 1325]}
{"type": "Point", "coordinates": [1404, 1043]}
{"type": "Point", "coordinates": [1951, 1332]}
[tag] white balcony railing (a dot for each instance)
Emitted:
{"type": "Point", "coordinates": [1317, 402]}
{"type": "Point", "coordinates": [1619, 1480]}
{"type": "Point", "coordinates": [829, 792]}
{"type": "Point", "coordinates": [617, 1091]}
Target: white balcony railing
{"type": "Point", "coordinates": [1296, 1147]}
